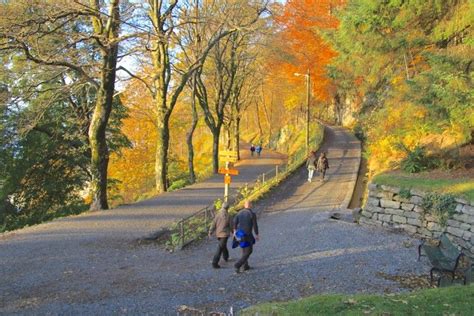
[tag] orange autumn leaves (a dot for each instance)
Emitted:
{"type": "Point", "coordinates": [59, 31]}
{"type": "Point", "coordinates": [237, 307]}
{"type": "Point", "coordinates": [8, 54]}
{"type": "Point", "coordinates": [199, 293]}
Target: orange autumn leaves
{"type": "Point", "coordinates": [132, 169]}
{"type": "Point", "coordinates": [301, 23]}
{"type": "Point", "coordinates": [297, 45]}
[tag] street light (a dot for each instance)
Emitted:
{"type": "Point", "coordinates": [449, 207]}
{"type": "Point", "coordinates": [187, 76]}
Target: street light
{"type": "Point", "coordinates": [308, 94]}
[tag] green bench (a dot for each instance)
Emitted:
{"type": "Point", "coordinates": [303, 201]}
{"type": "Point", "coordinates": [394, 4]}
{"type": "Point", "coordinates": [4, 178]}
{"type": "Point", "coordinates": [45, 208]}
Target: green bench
{"type": "Point", "coordinates": [446, 258]}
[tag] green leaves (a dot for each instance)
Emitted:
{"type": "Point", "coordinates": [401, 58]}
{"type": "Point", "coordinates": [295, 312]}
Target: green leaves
{"type": "Point", "coordinates": [416, 161]}
{"type": "Point", "coordinates": [407, 67]}
{"type": "Point", "coordinates": [442, 206]}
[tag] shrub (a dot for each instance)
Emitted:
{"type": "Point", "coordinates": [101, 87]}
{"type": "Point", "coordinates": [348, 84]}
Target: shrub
{"type": "Point", "coordinates": [218, 204]}
{"type": "Point", "coordinates": [416, 160]}
{"type": "Point", "coordinates": [405, 193]}
{"type": "Point", "coordinates": [245, 191]}
{"type": "Point", "coordinates": [441, 206]}
{"type": "Point", "coordinates": [359, 132]}
{"type": "Point", "coordinates": [178, 184]}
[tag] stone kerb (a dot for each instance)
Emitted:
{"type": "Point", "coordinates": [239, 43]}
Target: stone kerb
{"type": "Point", "coordinates": [385, 207]}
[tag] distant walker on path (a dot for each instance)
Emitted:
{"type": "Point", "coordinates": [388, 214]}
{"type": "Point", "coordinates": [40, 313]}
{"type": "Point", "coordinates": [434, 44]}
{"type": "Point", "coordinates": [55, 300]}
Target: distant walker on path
{"type": "Point", "coordinates": [252, 149]}
{"type": "Point", "coordinates": [323, 165]}
{"type": "Point", "coordinates": [311, 165]}
{"type": "Point", "coordinates": [244, 223]}
{"type": "Point", "coordinates": [258, 149]}
{"type": "Point", "coordinates": [222, 227]}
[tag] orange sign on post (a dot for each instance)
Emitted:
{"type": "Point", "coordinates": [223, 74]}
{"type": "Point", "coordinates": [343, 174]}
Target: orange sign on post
{"type": "Point", "coordinates": [233, 172]}
{"type": "Point", "coordinates": [227, 179]}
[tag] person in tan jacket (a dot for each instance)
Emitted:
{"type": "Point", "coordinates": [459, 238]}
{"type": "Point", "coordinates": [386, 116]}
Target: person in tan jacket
{"type": "Point", "coordinates": [221, 226]}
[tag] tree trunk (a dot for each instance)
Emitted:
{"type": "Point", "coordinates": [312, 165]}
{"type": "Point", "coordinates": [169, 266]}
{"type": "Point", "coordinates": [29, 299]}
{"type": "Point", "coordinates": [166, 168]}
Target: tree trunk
{"type": "Point", "coordinates": [266, 115]}
{"type": "Point", "coordinates": [339, 108]}
{"type": "Point", "coordinates": [190, 133]}
{"type": "Point", "coordinates": [236, 135]}
{"type": "Point", "coordinates": [97, 139]}
{"type": "Point", "coordinates": [99, 154]}
{"type": "Point", "coordinates": [228, 129]}
{"type": "Point", "coordinates": [161, 157]}
{"type": "Point", "coordinates": [260, 131]}
{"type": "Point", "coordinates": [100, 117]}
{"type": "Point", "coordinates": [215, 149]}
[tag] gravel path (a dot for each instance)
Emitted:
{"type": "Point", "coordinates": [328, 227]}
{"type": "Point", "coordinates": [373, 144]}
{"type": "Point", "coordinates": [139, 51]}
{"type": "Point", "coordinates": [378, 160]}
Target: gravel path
{"type": "Point", "coordinates": [93, 268]}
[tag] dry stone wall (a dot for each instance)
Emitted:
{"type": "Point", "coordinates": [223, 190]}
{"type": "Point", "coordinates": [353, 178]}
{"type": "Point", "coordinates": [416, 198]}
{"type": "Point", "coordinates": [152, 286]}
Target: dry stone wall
{"type": "Point", "coordinates": [386, 207]}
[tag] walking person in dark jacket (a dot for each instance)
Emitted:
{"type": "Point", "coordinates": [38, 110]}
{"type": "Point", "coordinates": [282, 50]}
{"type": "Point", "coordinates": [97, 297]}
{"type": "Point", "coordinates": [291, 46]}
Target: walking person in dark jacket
{"type": "Point", "coordinates": [252, 150]}
{"type": "Point", "coordinates": [323, 165]}
{"type": "Point", "coordinates": [245, 223]}
{"type": "Point", "coordinates": [221, 225]}
{"type": "Point", "coordinates": [311, 165]}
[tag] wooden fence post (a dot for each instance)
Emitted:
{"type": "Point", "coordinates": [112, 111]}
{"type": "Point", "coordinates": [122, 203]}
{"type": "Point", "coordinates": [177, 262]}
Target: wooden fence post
{"type": "Point", "coordinates": [181, 233]}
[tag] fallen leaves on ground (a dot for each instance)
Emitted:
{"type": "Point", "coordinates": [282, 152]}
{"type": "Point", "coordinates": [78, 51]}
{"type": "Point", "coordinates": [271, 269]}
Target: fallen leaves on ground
{"type": "Point", "coordinates": [408, 281]}
{"type": "Point", "coordinates": [350, 301]}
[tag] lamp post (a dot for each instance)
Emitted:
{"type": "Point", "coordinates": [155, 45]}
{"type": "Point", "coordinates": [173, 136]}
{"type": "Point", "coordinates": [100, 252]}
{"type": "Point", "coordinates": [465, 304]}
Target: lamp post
{"type": "Point", "coordinates": [308, 95]}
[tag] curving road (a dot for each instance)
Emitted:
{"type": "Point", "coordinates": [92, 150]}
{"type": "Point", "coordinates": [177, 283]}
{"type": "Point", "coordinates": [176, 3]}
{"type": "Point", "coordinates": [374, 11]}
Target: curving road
{"type": "Point", "coordinates": [92, 264]}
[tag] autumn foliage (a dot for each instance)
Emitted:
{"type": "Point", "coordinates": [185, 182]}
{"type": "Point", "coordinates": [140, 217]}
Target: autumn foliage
{"type": "Point", "coordinates": [399, 72]}
{"type": "Point", "coordinates": [304, 48]}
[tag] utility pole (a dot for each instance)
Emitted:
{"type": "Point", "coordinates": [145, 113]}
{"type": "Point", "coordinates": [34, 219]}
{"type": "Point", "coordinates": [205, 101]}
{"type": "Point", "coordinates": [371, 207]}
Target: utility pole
{"type": "Point", "coordinates": [308, 99]}
{"type": "Point", "coordinates": [308, 96]}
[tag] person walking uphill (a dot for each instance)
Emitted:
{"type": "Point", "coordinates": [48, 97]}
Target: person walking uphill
{"type": "Point", "coordinates": [311, 165]}
{"type": "Point", "coordinates": [221, 225]}
{"type": "Point", "coordinates": [322, 165]}
{"type": "Point", "coordinates": [244, 223]}
{"type": "Point", "coordinates": [252, 150]}
{"type": "Point", "coordinates": [258, 150]}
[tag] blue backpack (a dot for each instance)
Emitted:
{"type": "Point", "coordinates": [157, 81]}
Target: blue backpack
{"type": "Point", "coordinates": [239, 236]}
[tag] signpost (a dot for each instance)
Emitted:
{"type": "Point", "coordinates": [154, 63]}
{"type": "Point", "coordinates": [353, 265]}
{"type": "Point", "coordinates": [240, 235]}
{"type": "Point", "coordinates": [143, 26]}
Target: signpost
{"type": "Point", "coordinates": [233, 172]}
{"type": "Point", "coordinates": [228, 157]}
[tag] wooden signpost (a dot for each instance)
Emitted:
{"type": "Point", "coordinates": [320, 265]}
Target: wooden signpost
{"type": "Point", "coordinates": [228, 156]}
{"type": "Point", "coordinates": [233, 172]}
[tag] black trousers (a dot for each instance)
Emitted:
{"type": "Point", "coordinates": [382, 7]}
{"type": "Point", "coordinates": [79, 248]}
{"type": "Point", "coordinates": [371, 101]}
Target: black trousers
{"type": "Point", "coordinates": [221, 250]}
{"type": "Point", "coordinates": [243, 261]}
{"type": "Point", "coordinates": [323, 174]}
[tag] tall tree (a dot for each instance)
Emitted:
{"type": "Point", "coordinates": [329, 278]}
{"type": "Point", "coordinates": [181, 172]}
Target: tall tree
{"type": "Point", "coordinates": [216, 79]}
{"type": "Point", "coordinates": [61, 35]}
{"type": "Point", "coordinates": [223, 75]}
{"type": "Point", "coordinates": [107, 31]}
{"type": "Point", "coordinates": [302, 23]}
{"type": "Point", "coordinates": [167, 80]}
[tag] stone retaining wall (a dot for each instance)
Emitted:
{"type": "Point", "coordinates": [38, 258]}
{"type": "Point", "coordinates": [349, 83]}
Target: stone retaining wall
{"type": "Point", "coordinates": [385, 207]}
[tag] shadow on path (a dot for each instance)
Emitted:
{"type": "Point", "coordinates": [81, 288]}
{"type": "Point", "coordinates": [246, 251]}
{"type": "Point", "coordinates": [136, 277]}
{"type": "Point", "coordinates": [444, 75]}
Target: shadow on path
{"type": "Point", "coordinates": [89, 265]}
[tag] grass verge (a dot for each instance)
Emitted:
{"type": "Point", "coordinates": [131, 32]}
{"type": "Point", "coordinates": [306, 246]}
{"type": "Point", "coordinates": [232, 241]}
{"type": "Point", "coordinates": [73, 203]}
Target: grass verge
{"type": "Point", "coordinates": [456, 300]}
{"type": "Point", "coordinates": [461, 187]}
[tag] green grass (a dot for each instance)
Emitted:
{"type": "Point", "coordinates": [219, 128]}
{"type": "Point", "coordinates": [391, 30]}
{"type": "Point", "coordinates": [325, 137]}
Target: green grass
{"type": "Point", "coordinates": [459, 187]}
{"type": "Point", "coordinates": [19, 221]}
{"type": "Point", "coordinates": [456, 300]}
